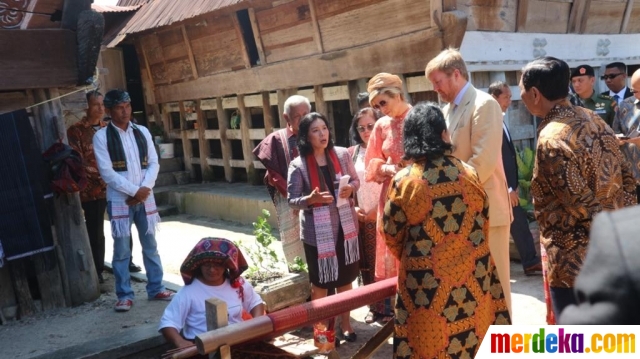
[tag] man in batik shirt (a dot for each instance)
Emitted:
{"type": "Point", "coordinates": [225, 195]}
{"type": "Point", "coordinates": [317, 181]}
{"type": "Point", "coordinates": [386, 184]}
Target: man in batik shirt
{"type": "Point", "coordinates": [94, 195]}
{"type": "Point", "coordinates": [579, 172]}
{"type": "Point", "coordinates": [627, 123]}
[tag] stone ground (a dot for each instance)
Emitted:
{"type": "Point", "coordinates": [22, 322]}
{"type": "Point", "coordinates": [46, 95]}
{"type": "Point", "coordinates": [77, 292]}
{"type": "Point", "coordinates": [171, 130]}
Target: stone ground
{"type": "Point", "coordinates": [45, 333]}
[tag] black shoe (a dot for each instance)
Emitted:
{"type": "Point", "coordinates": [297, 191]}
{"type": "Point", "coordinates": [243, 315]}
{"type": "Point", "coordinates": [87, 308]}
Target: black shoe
{"type": "Point", "coordinates": [100, 278]}
{"type": "Point", "coordinates": [134, 268]}
{"type": "Point", "coordinates": [351, 337]}
{"type": "Point", "coordinates": [535, 269]}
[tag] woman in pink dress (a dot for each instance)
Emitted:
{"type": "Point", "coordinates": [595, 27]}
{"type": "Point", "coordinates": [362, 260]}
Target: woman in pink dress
{"type": "Point", "coordinates": [367, 199]}
{"type": "Point", "coordinates": [384, 159]}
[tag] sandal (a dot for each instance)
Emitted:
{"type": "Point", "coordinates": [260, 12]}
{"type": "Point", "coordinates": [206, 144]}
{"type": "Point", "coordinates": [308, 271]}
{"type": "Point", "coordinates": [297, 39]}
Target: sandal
{"type": "Point", "coordinates": [371, 317]}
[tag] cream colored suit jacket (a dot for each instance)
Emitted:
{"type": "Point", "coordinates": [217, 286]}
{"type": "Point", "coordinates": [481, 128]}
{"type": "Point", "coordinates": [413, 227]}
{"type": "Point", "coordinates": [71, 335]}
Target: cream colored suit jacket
{"type": "Point", "coordinates": [476, 133]}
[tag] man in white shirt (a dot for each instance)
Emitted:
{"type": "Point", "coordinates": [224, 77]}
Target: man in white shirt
{"type": "Point", "coordinates": [615, 77]}
{"type": "Point", "coordinates": [128, 164]}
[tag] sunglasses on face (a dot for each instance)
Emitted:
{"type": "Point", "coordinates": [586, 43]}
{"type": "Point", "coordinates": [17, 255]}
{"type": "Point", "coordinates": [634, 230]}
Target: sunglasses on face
{"type": "Point", "coordinates": [369, 127]}
{"type": "Point", "coordinates": [380, 105]}
{"type": "Point", "coordinates": [610, 77]}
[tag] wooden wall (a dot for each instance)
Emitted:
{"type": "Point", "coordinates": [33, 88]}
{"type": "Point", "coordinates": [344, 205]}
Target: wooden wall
{"type": "Point", "coordinates": [632, 25]}
{"type": "Point", "coordinates": [605, 16]}
{"type": "Point", "coordinates": [345, 24]}
{"type": "Point", "coordinates": [215, 45]}
{"type": "Point", "coordinates": [490, 15]}
{"type": "Point", "coordinates": [286, 31]}
{"type": "Point", "coordinates": [552, 16]}
{"type": "Point", "coordinates": [113, 61]}
{"type": "Point", "coordinates": [283, 30]}
{"type": "Point", "coordinates": [305, 46]}
{"type": "Point", "coordinates": [543, 16]}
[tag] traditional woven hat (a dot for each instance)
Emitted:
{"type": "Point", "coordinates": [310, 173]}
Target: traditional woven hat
{"type": "Point", "coordinates": [216, 250]}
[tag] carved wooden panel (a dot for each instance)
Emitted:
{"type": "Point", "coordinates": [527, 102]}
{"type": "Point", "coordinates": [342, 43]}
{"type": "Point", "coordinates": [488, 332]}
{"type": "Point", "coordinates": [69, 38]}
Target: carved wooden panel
{"type": "Point", "coordinates": [9, 17]}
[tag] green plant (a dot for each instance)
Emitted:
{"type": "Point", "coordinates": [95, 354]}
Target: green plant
{"type": "Point", "coordinates": [298, 266]}
{"type": "Point", "coordinates": [156, 130]}
{"type": "Point", "coordinates": [526, 161]}
{"type": "Point", "coordinates": [234, 123]}
{"type": "Point", "coordinates": [264, 258]}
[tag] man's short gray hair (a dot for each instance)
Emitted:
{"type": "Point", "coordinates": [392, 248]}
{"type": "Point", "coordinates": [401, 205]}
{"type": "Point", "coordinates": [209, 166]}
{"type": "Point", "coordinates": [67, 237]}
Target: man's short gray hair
{"type": "Point", "coordinates": [294, 101]}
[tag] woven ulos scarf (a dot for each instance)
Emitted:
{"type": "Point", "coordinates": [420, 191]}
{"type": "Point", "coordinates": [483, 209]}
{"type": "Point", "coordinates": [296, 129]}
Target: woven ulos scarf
{"type": "Point", "coordinates": [327, 259]}
{"type": "Point", "coordinates": [120, 225]}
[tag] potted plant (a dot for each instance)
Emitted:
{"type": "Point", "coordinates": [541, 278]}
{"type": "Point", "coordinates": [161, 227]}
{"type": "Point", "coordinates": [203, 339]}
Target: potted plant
{"type": "Point", "coordinates": [165, 148]}
{"type": "Point", "coordinates": [526, 161]}
{"type": "Point", "coordinates": [157, 133]}
{"type": "Point", "coordinates": [279, 287]}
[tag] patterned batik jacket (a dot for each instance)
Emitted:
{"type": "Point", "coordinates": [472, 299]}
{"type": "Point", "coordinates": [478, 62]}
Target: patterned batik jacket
{"type": "Point", "coordinates": [80, 137]}
{"type": "Point", "coordinates": [626, 122]}
{"type": "Point", "coordinates": [579, 171]}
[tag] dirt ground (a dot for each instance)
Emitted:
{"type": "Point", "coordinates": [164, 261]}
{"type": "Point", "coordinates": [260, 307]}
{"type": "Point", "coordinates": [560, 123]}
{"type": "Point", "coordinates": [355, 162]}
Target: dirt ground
{"type": "Point", "coordinates": [54, 330]}
{"type": "Point", "coordinates": [47, 332]}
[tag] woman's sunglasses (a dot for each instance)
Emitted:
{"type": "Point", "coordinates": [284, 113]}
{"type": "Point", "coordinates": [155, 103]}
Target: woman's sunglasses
{"type": "Point", "coordinates": [369, 128]}
{"type": "Point", "coordinates": [380, 105]}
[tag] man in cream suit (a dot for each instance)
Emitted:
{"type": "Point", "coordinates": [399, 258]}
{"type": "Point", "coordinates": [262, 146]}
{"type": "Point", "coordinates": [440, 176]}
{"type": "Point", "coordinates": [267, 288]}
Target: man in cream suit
{"type": "Point", "coordinates": [474, 120]}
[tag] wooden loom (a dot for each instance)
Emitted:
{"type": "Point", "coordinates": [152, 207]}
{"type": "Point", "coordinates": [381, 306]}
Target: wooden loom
{"type": "Point", "coordinates": [282, 321]}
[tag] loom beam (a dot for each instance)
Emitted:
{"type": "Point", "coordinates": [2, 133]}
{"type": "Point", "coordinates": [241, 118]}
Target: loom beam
{"type": "Point", "coordinates": [287, 319]}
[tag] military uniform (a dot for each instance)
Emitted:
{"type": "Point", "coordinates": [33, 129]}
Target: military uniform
{"type": "Point", "coordinates": [603, 105]}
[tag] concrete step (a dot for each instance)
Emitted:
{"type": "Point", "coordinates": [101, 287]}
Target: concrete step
{"type": "Point", "coordinates": [235, 202]}
{"type": "Point", "coordinates": [172, 178]}
{"type": "Point", "coordinates": [167, 210]}
{"type": "Point", "coordinates": [171, 164]}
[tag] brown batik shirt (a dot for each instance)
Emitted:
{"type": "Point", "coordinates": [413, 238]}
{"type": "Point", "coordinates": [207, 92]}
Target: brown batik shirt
{"type": "Point", "coordinates": [80, 137]}
{"type": "Point", "coordinates": [579, 171]}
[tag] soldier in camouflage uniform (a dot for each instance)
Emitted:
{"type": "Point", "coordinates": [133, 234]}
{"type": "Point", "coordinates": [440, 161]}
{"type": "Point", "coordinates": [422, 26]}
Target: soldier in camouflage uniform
{"type": "Point", "coordinates": [583, 79]}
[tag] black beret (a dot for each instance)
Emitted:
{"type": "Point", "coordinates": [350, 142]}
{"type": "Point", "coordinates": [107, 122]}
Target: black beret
{"type": "Point", "coordinates": [583, 70]}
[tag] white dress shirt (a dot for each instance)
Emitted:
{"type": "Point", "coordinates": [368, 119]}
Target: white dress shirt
{"type": "Point", "coordinates": [121, 185]}
{"type": "Point", "coordinates": [619, 94]}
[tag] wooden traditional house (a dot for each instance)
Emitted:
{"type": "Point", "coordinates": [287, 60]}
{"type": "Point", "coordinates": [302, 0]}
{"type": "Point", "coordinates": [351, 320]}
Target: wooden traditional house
{"type": "Point", "coordinates": [215, 73]}
{"type": "Point", "coordinates": [48, 48]}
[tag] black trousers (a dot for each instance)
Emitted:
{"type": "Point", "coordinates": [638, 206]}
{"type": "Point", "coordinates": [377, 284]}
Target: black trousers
{"type": "Point", "coordinates": [523, 239]}
{"type": "Point", "coordinates": [94, 220]}
{"type": "Point", "coordinates": [562, 298]}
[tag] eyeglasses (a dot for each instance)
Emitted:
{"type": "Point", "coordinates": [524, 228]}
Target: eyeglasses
{"type": "Point", "coordinates": [610, 77]}
{"type": "Point", "coordinates": [369, 127]}
{"type": "Point", "coordinates": [380, 105]}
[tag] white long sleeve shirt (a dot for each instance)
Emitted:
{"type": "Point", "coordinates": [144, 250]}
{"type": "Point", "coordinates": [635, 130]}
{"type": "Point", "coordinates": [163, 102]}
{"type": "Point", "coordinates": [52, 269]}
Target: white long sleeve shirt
{"type": "Point", "coordinates": [120, 185]}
